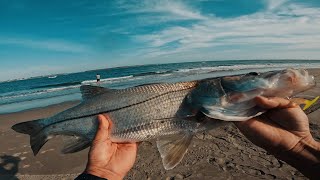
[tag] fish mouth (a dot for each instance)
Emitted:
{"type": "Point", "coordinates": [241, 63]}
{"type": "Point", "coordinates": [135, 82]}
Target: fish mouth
{"type": "Point", "coordinates": [296, 80]}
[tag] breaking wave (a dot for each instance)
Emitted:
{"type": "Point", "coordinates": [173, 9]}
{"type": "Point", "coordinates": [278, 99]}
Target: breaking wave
{"type": "Point", "coordinates": [107, 80]}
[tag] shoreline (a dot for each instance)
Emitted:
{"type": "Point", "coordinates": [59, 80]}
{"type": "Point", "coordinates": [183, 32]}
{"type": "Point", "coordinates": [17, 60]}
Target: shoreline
{"type": "Point", "coordinates": [43, 107]}
{"type": "Point", "coordinates": [221, 153]}
{"type": "Point", "coordinates": [8, 119]}
{"type": "Point", "coordinates": [139, 65]}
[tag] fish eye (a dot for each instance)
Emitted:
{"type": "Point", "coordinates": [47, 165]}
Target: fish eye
{"type": "Point", "coordinates": [253, 74]}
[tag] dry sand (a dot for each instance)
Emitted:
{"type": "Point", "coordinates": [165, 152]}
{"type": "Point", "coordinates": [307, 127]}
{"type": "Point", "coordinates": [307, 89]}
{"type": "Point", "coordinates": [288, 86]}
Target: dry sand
{"type": "Point", "coordinates": [223, 153]}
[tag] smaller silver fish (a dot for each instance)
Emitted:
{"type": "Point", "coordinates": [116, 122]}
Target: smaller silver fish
{"type": "Point", "coordinates": [172, 113]}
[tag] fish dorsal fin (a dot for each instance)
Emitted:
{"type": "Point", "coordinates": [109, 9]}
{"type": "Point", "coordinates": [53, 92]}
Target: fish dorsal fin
{"type": "Point", "coordinates": [89, 91]}
{"type": "Point", "coordinates": [74, 144]}
{"type": "Point", "coordinates": [173, 148]}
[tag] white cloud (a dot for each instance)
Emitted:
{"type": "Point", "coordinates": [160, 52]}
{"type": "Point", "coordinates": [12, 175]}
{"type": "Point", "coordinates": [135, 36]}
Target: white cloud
{"type": "Point", "coordinates": [167, 10]}
{"type": "Point", "coordinates": [284, 27]}
{"type": "Point", "coordinates": [46, 44]}
{"type": "Point", "coordinates": [274, 4]}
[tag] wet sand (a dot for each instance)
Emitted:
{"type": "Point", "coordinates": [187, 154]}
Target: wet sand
{"type": "Point", "coordinates": [223, 153]}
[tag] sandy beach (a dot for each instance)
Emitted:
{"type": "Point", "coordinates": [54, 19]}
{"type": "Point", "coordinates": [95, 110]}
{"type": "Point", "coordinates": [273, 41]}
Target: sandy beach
{"type": "Point", "coordinates": [223, 153]}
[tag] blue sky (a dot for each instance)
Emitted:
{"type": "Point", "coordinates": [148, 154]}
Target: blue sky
{"type": "Point", "coordinates": [45, 37]}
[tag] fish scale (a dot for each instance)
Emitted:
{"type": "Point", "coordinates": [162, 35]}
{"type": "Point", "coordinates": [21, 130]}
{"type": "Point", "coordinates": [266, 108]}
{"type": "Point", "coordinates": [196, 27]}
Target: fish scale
{"type": "Point", "coordinates": [125, 97]}
{"type": "Point", "coordinates": [139, 115]}
{"type": "Point", "coordinates": [154, 129]}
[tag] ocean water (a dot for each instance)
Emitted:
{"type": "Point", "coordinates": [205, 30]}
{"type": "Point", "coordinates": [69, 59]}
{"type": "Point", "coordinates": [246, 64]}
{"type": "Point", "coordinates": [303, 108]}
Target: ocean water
{"type": "Point", "coordinates": [18, 95]}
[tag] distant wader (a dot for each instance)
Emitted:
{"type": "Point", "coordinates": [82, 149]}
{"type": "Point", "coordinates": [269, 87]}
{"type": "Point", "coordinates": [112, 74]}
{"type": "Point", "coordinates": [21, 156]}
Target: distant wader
{"type": "Point", "coordinates": [98, 78]}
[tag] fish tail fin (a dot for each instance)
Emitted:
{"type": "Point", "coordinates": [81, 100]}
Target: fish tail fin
{"type": "Point", "coordinates": [37, 140]}
{"type": "Point", "coordinates": [37, 136]}
{"type": "Point", "coordinates": [28, 127]}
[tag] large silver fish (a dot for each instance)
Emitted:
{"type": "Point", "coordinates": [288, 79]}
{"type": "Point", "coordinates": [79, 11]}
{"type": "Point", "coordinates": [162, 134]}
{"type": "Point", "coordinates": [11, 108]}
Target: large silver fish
{"type": "Point", "coordinates": [170, 112]}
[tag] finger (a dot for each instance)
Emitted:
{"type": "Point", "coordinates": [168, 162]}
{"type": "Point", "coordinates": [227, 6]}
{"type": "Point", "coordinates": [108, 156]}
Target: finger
{"type": "Point", "coordinates": [274, 102]}
{"type": "Point", "coordinates": [103, 129]}
{"type": "Point", "coordinates": [106, 116]}
{"type": "Point", "coordinates": [244, 125]}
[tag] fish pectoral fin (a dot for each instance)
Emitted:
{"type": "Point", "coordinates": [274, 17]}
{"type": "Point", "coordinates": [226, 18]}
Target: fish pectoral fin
{"type": "Point", "coordinates": [173, 148]}
{"type": "Point", "coordinates": [89, 91]}
{"type": "Point", "coordinates": [75, 144]}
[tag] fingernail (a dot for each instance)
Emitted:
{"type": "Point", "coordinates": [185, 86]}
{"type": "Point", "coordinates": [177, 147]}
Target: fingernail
{"type": "Point", "coordinates": [294, 104]}
{"type": "Point", "coordinates": [106, 116]}
{"type": "Point", "coordinates": [263, 97]}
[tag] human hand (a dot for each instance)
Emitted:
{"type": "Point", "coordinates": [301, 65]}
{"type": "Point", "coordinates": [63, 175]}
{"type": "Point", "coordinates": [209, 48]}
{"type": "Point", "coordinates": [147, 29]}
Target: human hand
{"type": "Point", "coordinates": [108, 159]}
{"type": "Point", "coordinates": [284, 132]}
{"type": "Point", "coordinates": [280, 129]}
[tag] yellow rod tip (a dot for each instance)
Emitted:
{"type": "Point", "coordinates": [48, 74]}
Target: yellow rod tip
{"type": "Point", "coordinates": [310, 103]}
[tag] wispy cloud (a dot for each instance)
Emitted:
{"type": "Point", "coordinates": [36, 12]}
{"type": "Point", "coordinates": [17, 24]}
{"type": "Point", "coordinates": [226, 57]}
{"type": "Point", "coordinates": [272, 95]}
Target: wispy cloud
{"type": "Point", "coordinates": [166, 10]}
{"type": "Point", "coordinates": [46, 44]}
{"type": "Point", "coordinates": [150, 31]}
{"type": "Point", "coordinates": [274, 4]}
{"type": "Point", "coordinates": [282, 26]}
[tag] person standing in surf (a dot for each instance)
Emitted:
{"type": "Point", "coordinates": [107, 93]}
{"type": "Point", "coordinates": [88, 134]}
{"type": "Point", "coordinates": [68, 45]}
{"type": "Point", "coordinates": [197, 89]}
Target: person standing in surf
{"type": "Point", "coordinates": [98, 78]}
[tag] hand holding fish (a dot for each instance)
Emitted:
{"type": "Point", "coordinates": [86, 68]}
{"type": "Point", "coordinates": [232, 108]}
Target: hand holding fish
{"type": "Point", "coordinates": [284, 132]}
{"type": "Point", "coordinates": [107, 159]}
{"type": "Point", "coordinates": [173, 113]}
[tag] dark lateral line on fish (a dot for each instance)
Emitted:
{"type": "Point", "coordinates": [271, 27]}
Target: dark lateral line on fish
{"type": "Point", "coordinates": [117, 109]}
{"type": "Point", "coordinates": [137, 128]}
{"type": "Point", "coordinates": [159, 121]}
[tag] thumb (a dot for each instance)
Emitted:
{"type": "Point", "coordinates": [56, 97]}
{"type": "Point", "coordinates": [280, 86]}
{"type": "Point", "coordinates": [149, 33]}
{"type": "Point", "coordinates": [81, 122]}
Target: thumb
{"type": "Point", "coordinates": [103, 129]}
{"type": "Point", "coordinates": [274, 102]}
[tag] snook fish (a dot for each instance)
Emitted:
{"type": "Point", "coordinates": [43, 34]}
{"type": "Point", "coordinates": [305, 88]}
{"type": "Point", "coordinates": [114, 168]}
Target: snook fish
{"type": "Point", "coordinates": [171, 113]}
